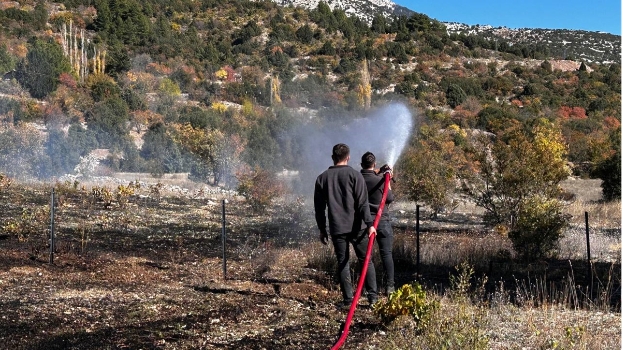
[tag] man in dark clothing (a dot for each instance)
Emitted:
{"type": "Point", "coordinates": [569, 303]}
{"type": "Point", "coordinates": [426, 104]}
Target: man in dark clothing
{"type": "Point", "coordinates": [341, 195]}
{"type": "Point", "coordinates": [384, 236]}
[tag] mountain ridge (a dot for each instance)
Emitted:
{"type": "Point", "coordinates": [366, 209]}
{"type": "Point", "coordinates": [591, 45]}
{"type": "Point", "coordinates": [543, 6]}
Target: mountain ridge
{"type": "Point", "coordinates": [579, 45]}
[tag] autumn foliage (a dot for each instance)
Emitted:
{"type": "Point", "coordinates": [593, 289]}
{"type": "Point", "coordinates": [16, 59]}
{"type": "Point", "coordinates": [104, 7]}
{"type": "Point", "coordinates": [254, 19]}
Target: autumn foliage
{"type": "Point", "coordinates": [567, 113]}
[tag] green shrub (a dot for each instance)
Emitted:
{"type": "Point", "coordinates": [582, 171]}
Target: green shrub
{"type": "Point", "coordinates": [539, 227]}
{"type": "Point", "coordinates": [411, 300]}
{"type": "Point", "coordinates": [420, 320]}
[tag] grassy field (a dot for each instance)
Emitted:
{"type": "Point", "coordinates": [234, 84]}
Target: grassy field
{"type": "Point", "coordinates": [144, 267]}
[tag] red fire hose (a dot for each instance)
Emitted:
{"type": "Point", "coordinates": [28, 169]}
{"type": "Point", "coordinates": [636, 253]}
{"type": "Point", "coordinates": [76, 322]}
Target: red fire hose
{"type": "Point", "coordinates": [372, 239]}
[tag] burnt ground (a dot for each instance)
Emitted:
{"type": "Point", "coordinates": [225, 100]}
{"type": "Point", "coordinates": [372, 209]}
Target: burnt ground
{"type": "Point", "coordinates": [150, 272]}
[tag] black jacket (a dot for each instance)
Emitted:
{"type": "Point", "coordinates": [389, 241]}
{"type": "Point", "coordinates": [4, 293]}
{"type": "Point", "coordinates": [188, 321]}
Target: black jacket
{"type": "Point", "coordinates": [342, 192]}
{"type": "Point", "coordinates": [375, 187]}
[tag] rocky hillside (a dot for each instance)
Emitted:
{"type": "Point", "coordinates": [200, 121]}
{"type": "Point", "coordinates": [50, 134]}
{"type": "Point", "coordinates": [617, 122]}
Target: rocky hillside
{"type": "Point", "coordinates": [364, 9]}
{"type": "Point", "coordinates": [577, 45]}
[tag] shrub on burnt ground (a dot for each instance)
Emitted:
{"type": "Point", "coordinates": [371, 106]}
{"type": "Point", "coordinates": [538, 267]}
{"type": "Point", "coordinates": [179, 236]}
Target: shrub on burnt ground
{"type": "Point", "coordinates": [419, 319]}
{"type": "Point", "coordinates": [259, 187]}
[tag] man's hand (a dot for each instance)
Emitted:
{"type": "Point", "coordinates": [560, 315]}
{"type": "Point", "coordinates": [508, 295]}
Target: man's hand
{"type": "Point", "coordinates": [324, 237]}
{"type": "Point", "coordinates": [372, 231]}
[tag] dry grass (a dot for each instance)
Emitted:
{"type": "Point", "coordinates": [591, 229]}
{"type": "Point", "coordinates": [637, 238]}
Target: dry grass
{"type": "Point", "coordinates": [604, 222]}
{"type": "Point", "coordinates": [553, 327]}
{"type": "Point", "coordinates": [150, 275]}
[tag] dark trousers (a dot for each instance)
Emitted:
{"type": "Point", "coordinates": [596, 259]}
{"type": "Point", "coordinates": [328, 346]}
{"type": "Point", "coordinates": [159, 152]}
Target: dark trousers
{"type": "Point", "coordinates": [359, 240]}
{"type": "Point", "coordinates": [385, 244]}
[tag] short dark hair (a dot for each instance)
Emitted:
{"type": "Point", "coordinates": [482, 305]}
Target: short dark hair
{"type": "Point", "coordinates": [340, 152]}
{"type": "Point", "coordinates": [368, 160]}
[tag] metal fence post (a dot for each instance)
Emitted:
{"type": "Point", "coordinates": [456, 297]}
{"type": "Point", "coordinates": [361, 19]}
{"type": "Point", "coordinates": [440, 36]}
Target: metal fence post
{"type": "Point", "coordinates": [417, 241]}
{"type": "Point", "coordinates": [224, 240]}
{"type": "Point", "coordinates": [589, 273]}
{"type": "Point", "coordinates": [52, 225]}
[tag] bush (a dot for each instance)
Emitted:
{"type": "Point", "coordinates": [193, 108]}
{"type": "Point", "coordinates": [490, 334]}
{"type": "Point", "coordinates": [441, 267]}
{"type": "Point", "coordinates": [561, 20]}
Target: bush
{"type": "Point", "coordinates": [22, 153]}
{"type": "Point", "coordinates": [538, 228]}
{"type": "Point", "coordinates": [610, 170]}
{"type": "Point", "coordinates": [31, 223]}
{"type": "Point", "coordinates": [259, 187]}
{"type": "Point", "coordinates": [411, 300]}
{"type": "Point", "coordinates": [421, 320]}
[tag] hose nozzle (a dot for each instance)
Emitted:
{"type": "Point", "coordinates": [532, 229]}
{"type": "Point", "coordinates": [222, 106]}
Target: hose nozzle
{"type": "Point", "coordinates": [386, 169]}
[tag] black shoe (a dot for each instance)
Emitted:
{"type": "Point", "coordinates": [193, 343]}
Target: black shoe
{"type": "Point", "coordinates": [344, 305]}
{"type": "Point", "coordinates": [372, 301]}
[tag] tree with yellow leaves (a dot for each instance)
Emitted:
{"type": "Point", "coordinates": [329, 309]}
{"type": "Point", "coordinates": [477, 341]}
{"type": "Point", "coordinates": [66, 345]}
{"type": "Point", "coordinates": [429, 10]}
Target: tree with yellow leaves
{"type": "Point", "coordinates": [520, 162]}
{"type": "Point", "coordinates": [518, 184]}
{"type": "Point", "coordinates": [275, 90]}
{"type": "Point", "coordinates": [364, 88]}
{"type": "Point", "coordinates": [221, 74]}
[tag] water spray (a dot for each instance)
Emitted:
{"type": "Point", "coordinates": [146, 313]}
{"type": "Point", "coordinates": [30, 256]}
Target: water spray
{"type": "Point", "coordinates": [384, 131]}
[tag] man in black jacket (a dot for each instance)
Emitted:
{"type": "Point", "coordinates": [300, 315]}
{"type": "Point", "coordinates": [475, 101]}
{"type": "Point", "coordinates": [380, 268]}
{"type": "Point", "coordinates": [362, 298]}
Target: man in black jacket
{"type": "Point", "coordinates": [384, 236]}
{"type": "Point", "coordinates": [341, 195]}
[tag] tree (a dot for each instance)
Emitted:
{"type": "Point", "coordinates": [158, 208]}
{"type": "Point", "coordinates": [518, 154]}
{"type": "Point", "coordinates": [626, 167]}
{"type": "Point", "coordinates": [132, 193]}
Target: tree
{"type": "Point", "coordinates": [430, 168]}
{"type": "Point", "coordinates": [305, 34]}
{"type": "Point", "coordinates": [39, 71]}
{"type": "Point", "coordinates": [610, 170]}
{"type": "Point", "coordinates": [108, 121]}
{"type": "Point", "coordinates": [418, 23]}
{"type": "Point", "coordinates": [379, 24]}
{"type": "Point", "coordinates": [524, 161]}
{"type": "Point", "coordinates": [160, 151]}
{"type": "Point", "coordinates": [117, 59]}
{"type": "Point", "coordinates": [40, 15]}
{"type": "Point", "coordinates": [518, 185]}
{"type": "Point", "coordinates": [495, 119]}
{"type": "Point", "coordinates": [324, 17]}
{"type": "Point", "coordinates": [327, 49]}
{"type": "Point", "coordinates": [22, 153]}
{"type": "Point", "coordinates": [219, 154]}
{"type": "Point", "coordinates": [583, 67]}
{"type": "Point", "coordinates": [63, 156]}
{"type": "Point", "coordinates": [455, 95]}
{"type": "Point", "coordinates": [7, 62]}
{"type": "Point", "coordinates": [81, 139]}
{"type": "Point", "coordinates": [102, 87]}
{"type": "Point", "coordinates": [262, 149]}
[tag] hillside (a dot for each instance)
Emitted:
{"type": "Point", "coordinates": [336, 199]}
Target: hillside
{"type": "Point", "coordinates": [577, 45]}
{"type": "Point", "coordinates": [260, 74]}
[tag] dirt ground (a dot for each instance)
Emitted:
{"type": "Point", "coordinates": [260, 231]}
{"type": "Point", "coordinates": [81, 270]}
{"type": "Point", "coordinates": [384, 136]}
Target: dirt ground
{"type": "Point", "coordinates": [152, 275]}
{"type": "Point", "coordinates": [152, 271]}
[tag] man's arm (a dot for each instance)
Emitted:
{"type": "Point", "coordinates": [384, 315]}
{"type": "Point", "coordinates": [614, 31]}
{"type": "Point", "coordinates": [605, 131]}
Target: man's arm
{"type": "Point", "coordinates": [389, 195]}
{"type": "Point", "coordinates": [361, 197]}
